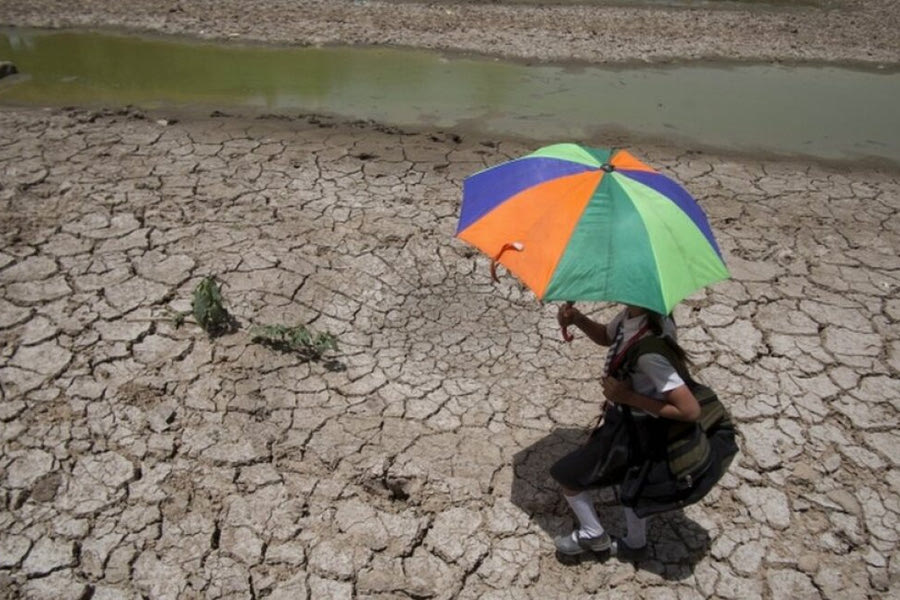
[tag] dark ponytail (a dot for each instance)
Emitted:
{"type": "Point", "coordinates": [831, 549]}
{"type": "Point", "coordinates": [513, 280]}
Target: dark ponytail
{"type": "Point", "coordinates": [655, 320]}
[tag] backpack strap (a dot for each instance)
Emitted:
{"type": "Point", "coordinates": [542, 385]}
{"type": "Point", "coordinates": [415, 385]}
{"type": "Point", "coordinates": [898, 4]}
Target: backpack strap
{"type": "Point", "coordinates": [661, 345]}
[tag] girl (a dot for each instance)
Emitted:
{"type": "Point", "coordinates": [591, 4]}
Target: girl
{"type": "Point", "coordinates": [654, 390]}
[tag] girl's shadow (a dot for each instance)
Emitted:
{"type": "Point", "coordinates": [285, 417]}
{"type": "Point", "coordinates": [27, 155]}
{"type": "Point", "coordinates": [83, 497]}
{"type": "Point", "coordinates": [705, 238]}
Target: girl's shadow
{"type": "Point", "coordinates": [676, 543]}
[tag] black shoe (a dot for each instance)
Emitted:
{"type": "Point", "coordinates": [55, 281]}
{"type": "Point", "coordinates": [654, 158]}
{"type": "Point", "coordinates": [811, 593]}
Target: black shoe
{"type": "Point", "coordinates": [626, 553]}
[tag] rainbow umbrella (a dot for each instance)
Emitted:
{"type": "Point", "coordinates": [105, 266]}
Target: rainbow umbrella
{"type": "Point", "coordinates": [577, 223]}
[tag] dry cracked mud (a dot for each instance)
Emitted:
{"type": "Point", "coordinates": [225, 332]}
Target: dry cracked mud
{"type": "Point", "coordinates": [144, 460]}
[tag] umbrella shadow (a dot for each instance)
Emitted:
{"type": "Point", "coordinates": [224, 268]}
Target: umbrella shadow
{"type": "Point", "coordinates": [676, 542]}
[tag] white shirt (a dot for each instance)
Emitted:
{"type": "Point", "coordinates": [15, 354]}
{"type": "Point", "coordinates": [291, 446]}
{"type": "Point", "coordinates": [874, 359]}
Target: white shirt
{"type": "Point", "coordinates": [653, 375]}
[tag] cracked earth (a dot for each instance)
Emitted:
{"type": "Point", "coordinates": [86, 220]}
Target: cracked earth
{"type": "Point", "coordinates": [141, 460]}
{"type": "Point", "coordinates": [144, 460]}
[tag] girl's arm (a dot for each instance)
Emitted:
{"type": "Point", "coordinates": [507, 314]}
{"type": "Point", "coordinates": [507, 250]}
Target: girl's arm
{"type": "Point", "coordinates": [680, 403]}
{"type": "Point", "coordinates": [569, 315]}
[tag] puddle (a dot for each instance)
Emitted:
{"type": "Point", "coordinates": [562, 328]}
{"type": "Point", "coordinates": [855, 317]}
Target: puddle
{"type": "Point", "coordinates": [823, 112]}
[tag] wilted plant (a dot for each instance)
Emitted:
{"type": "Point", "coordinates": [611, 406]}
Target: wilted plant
{"type": "Point", "coordinates": [208, 308]}
{"type": "Point", "coordinates": [298, 338]}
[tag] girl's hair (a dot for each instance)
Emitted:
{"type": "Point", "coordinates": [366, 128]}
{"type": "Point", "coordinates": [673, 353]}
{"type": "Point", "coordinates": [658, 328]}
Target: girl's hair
{"type": "Point", "coordinates": [655, 320]}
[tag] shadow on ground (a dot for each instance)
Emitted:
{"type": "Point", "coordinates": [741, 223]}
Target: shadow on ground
{"type": "Point", "coordinates": [677, 543]}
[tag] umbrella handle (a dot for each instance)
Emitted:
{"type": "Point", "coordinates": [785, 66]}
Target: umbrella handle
{"type": "Point", "coordinates": [567, 337]}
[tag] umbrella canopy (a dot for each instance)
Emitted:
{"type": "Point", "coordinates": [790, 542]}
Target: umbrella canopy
{"type": "Point", "coordinates": [578, 223]}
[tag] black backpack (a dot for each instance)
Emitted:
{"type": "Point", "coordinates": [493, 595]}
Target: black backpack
{"type": "Point", "coordinates": [681, 461]}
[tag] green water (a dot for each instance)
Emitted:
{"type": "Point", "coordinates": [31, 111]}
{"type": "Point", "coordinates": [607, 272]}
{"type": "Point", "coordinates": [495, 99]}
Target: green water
{"type": "Point", "coordinates": [823, 112]}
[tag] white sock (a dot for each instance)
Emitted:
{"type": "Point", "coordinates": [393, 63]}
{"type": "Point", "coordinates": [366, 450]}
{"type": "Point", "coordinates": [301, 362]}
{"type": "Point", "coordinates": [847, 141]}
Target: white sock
{"type": "Point", "coordinates": [637, 529]}
{"type": "Point", "coordinates": [583, 507]}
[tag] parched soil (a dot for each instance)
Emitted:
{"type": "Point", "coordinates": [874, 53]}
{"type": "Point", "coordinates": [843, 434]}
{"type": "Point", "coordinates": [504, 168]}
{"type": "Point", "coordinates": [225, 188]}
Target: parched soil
{"type": "Point", "coordinates": [845, 31]}
{"type": "Point", "coordinates": [141, 459]}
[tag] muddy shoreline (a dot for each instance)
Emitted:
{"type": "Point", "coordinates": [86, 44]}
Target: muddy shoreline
{"type": "Point", "coordinates": [723, 139]}
{"type": "Point", "coordinates": [862, 32]}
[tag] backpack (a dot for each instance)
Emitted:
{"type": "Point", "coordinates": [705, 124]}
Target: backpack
{"type": "Point", "coordinates": [682, 461]}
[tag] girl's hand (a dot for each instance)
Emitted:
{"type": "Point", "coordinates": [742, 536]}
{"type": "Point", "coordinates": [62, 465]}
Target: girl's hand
{"type": "Point", "coordinates": [566, 314]}
{"type": "Point", "coordinates": [615, 390]}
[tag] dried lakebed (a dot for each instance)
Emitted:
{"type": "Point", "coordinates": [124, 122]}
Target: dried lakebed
{"type": "Point", "coordinates": [144, 460]}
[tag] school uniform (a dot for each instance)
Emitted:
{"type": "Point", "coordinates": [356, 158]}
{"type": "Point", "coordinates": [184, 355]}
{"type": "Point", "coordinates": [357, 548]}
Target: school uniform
{"type": "Point", "coordinates": [652, 375]}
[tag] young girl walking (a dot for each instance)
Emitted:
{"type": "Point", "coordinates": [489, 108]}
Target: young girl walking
{"type": "Point", "coordinates": [654, 391]}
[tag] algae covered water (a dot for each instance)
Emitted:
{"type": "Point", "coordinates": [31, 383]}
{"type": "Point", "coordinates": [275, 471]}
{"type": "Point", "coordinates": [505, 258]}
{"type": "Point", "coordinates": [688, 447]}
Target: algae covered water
{"type": "Point", "coordinates": [823, 112]}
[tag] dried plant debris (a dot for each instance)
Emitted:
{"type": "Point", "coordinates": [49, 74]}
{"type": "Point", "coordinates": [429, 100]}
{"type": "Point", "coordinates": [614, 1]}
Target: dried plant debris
{"type": "Point", "coordinates": [299, 338]}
